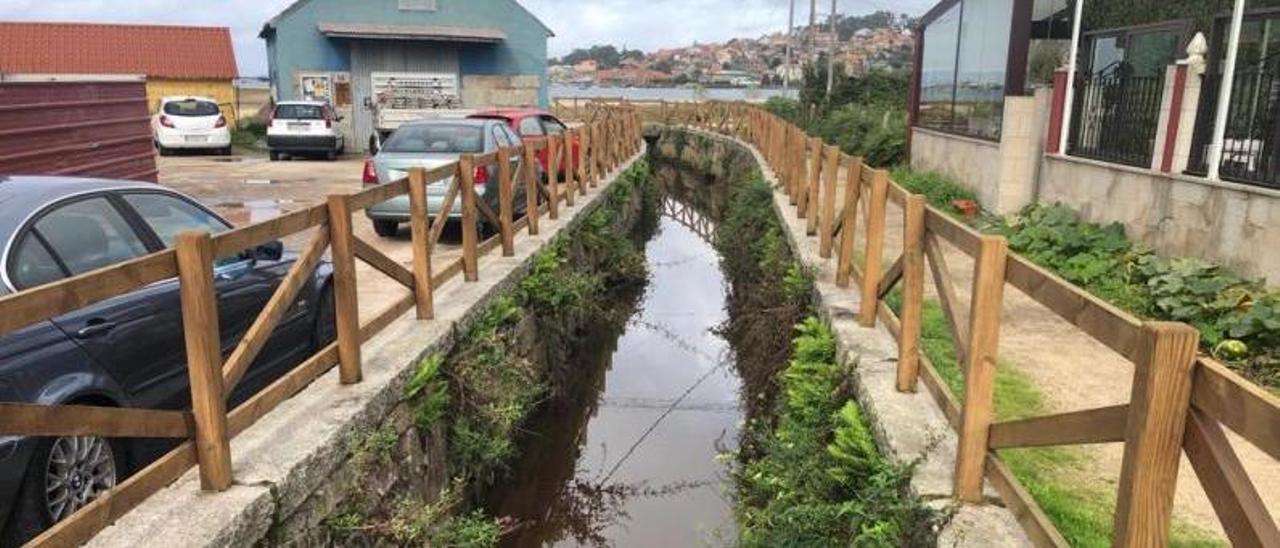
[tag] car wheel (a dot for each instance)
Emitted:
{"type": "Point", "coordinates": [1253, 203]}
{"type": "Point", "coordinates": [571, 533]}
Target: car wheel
{"type": "Point", "coordinates": [65, 474]}
{"type": "Point", "coordinates": [163, 151]}
{"type": "Point", "coordinates": [331, 155]}
{"type": "Point", "coordinates": [275, 156]}
{"type": "Point", "coordinates": [226, 151]}
{"type": "Point", "coordinates": [386, 229]}
{"type": "Point", "coordinates": [326, 323]}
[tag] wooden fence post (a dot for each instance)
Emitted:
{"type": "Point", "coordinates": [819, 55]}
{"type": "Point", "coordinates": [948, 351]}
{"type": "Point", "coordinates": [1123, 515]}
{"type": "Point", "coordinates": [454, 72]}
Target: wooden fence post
{"type": "Point", "coordinates": [1158, 411]}
{"type": "Point", "coordinates": [875, 248]}
{"type": "Point", "coordinates": [420, 229]}
{"type": "Point", "coordinates": [912, 294]}
{"type": "Point", "coordinates": [849, 226]}
{"type": "Point", "coordinates": [506, 203]}
{"type": "Point", "coordinates": [584, 160]}
{"type": "Point", "coordinates": [467, 169]}
{"type": "Point", "coordinates": [813, 196]}
{"type": "Point", "coordinates": [204, 358]}
{"type": "Point", "coordinates": [566, 141]}
{"type": "Point", "coordinates": [346, 305]}
{"type": "Point", "coordinates": [980, 377]}
{"type": "Point", "coordinates": [529, 166]}
{"type": "Point", "coordinates": [553, 176]}
{"type": "Point", "coordinates": [827, 222]}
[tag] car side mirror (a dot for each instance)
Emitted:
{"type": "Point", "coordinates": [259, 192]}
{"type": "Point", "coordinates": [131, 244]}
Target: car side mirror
{"type": "Point", "coordinates": [273, 251]}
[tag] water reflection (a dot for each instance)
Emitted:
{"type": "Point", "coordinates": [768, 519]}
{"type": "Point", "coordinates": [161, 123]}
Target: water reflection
{"type": "Point", "coordinates": [629, 456]}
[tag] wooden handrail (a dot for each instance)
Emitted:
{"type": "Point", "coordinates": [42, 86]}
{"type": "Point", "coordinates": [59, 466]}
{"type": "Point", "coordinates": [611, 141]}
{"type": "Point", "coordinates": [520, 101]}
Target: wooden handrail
{"type": "Point", "coordinates": [1172, 387]}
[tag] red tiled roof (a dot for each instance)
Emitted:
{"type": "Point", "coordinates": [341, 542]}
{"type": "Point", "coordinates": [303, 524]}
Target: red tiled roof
{"type": "Point", "coordinates": [188, 53]}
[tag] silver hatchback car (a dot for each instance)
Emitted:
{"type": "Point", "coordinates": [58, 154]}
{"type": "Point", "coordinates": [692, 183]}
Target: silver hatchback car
{"type": "Point", "coordinates": [431, 144]}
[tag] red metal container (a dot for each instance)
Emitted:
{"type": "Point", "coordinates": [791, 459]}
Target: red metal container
{"type": "Point", "coordinates": [85, 128]}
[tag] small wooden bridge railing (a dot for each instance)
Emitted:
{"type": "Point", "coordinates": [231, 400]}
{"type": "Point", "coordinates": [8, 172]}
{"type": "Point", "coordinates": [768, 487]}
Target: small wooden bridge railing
{"type": "Point", "coordinates": [578, 160]}
{"type": "Point", "coordinates": [1180, 401]}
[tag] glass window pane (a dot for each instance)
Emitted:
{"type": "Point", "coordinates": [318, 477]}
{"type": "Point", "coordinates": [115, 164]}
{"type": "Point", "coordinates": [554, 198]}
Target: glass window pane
{"type": "Point", "coordinates": [34, 265]}
{"type": "Point", "coordinates": [937, 76]}
{"type": "Point", "coordinates": [169, 216]}
{"type": "Point", "coordinates": [531, 127]}
{"type": "Point", "coordinates": [984, 54]}
{"type": "Point", "coordinates": [90, 234]}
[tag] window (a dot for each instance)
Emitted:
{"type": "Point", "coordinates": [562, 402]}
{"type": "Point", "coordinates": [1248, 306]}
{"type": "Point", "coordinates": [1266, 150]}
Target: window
{"type": "Point", "coordinates": [531, 127]}
{"type": "Point", "coordinates": [963, 68]}
{"type": "Point", "coordinates": [938, 70]}
{"type": "Point", "coordinates": [34, 265]}
{"type": "Point", "coordinates": [436, 138]}
{"type": "Point", "coordinates": [89, 234]}
{"type": "Point", "coordinates": [417, 5]}
{"type": "Point", "coordinates": [554, 127]}
{"type": "Point", "coordinates": [500, 137]}
{"type": "Point", "coordinates": [511, 135]}
{"type": "Point", "coordinates": [169, 216]}
{"type": "Point", "coordinates": [191, 107]}
{"type": "Point", "coordinates": [299, 112]}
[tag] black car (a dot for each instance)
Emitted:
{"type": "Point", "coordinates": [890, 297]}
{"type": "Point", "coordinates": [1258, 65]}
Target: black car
{"type": "Point", "coordinates": [127, 351]}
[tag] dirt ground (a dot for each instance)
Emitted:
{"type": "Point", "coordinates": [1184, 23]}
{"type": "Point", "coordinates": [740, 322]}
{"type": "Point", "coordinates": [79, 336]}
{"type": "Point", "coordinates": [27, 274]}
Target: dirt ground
{"type": "Point", "coordinates": [1075, 372]}
{"type": "Point", "coordinates": [248, 188]}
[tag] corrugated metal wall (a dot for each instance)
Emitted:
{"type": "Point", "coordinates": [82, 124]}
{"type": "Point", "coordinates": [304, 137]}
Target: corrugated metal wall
{"type": "Point", "coordinates": [369, 56]}
{"type": "Point", "coordinates": [90, 129]}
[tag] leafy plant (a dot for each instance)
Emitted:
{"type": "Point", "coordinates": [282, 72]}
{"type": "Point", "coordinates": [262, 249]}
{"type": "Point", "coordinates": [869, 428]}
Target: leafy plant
{"type": "Point", "coordinates": [431, 389]}
{"type": "Point", "coordinates": [820, 476]}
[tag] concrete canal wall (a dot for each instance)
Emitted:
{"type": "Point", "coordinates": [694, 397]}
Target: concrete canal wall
{"type": "Point", "coordinates": [295, 468]}
{"type": "Point", "coordinates": [909, 428]}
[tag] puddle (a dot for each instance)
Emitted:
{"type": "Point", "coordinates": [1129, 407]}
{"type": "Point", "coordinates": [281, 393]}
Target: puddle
{"type": "Point", "coordinates": [632, 460]}
{"type": "Point", "coordinates": [253, 211]}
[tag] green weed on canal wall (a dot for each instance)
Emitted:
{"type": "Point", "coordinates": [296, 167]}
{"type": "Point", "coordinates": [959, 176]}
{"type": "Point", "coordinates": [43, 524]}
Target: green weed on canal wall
{"type": "Point", "coordinates": [819, 476]}
{"type": "Point", "coordinates": [503, 366]}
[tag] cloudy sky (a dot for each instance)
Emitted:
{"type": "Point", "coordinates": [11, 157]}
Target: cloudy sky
{"type": "Point", "coordinates": [636, 24]}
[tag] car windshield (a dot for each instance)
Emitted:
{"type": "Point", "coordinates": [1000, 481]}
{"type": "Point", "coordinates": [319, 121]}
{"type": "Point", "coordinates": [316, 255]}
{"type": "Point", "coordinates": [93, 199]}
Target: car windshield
{"type": "Point", "coordinates": [436, 138]}
{"type": "Point", "coordinates": [300, 112]}
{"type": "Point", "coordinates": [191, 107]}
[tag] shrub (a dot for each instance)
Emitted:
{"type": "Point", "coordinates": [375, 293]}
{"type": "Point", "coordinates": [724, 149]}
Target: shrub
{"type": "Point", "coordinates": [820, 476]}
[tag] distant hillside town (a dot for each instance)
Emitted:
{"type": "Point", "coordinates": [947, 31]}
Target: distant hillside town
{"type": "Point", "coordinates": [878, 41]}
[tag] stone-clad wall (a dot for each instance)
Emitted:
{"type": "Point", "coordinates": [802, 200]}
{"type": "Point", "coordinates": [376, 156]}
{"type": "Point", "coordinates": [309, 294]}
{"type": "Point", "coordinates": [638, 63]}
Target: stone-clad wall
{"type": "Point", "coordinates": [1234, 224]}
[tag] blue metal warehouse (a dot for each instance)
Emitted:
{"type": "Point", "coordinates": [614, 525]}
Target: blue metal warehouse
{"type": "Point", "coordinates": [381, 62]}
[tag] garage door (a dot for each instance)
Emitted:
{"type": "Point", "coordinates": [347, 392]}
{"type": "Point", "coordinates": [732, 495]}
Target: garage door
{"type": "Point", "coordinates": [369, 56]}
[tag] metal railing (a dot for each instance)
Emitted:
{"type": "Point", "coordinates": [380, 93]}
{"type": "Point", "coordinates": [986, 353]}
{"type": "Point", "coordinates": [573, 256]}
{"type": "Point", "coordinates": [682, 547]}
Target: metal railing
{"type": "Point", "coordinates": [1116, 117]}
{"type": "Point", "coordinates": [1251, 147]}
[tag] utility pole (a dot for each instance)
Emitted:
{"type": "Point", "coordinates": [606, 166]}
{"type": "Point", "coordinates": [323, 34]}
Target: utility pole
{"type": "Point", "coordinates": [791, 31]}
{"type": "Point", "coordinates": [831, 53]}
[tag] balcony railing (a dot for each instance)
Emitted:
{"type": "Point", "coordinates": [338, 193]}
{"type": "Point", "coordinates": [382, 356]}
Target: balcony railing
{"type": "Point", "coordinates": [1116, 117]}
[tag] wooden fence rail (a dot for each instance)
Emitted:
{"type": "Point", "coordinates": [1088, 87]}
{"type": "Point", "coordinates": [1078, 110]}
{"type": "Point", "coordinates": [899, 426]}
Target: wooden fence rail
{"type": "Point", "coordinates": [578, 159]}
{"type": "Point", "coordinates": [1180, 403]}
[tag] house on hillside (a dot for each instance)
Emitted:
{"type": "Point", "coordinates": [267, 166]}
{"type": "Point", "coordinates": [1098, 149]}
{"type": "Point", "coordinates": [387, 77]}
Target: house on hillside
{"type": "Point", "coordinates": [174, 60]}
{"type": "Point", "coordinates": [376, 57]}
{"type": "Point", "coordinates": [1165, 121]}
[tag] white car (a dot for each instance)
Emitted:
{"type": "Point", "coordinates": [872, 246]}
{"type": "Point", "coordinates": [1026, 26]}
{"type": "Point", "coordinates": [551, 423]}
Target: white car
{"type": "Point", "coordinates": [304, 127]}
{"type": "Point", "coordinates": [190, 123]}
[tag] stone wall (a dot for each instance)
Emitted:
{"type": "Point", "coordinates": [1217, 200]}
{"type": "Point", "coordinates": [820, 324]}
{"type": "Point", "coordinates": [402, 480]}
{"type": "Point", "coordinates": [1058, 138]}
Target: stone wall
{"type": "Point", "coordinates": [1177, 215]}
{"type": "Point", "coordinates": [1002, 173]}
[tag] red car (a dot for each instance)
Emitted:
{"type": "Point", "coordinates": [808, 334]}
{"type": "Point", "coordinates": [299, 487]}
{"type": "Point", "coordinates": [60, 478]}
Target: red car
{"type": "Point", "coordinates": [532, 123]}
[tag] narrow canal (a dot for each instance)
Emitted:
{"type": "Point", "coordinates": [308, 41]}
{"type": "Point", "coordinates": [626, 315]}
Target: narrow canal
{"type": "Point", "coordinates": [631, 454]}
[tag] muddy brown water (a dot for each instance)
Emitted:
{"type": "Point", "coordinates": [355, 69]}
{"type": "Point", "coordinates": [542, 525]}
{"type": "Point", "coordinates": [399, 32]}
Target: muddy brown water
{"type": "Point", "coordinates": [632, 458]}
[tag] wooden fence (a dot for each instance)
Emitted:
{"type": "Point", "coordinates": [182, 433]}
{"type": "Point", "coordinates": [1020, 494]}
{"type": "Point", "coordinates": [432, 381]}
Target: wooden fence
{"type": "Point", "coordinates": [1180, 401]}
{"type": "Point", "coordinates": [604, 144]}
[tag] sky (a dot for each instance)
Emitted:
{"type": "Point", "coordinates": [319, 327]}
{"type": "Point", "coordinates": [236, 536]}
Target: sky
{"type": "Point", "coordinates": [637, 24]}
